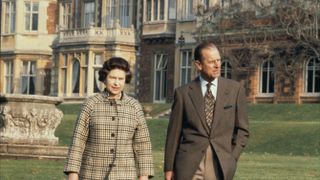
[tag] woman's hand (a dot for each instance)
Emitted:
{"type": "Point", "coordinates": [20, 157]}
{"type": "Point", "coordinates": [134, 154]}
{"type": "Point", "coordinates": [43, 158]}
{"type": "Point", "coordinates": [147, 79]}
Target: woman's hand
{"type": "Point", "coordinates": [143, 178]}
{"type": "Point", "coordinates": [73, 176]}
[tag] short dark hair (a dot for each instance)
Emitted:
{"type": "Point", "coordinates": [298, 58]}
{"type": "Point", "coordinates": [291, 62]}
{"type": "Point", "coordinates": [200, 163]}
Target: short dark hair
{"type": "Point", "coordinates": [200, 47]}
{"type": "Point", "coordinates": [115, 63]}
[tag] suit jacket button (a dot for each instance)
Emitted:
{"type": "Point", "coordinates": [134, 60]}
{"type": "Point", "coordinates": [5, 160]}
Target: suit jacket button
{"type": "Point", "coordinates": [112, 134]}
{"type": "Point", "coordinates": [113, 118]}
{"type": "Point", "coordinates": [111, 151]}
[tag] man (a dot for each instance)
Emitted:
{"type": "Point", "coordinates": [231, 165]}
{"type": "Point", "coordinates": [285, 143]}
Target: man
{"type": "Point", "coordinates": [208, 126]}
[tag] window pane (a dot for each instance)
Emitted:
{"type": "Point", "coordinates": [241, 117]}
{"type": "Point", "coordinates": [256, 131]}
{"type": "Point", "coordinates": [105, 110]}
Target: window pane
{"type": "Point", "coordinates": [75, 76]}
{"type": "Point", "coordinates": [13, 23]}
{"type": "Point", "coordinates": [35, 7]}
{"type": "Point", "coordinates": [27, 21]}
{"type": "Point", "coordinates": [96, 81]}
{"type": "Point", "coordinates": [32, 85]}
{"type": "Point", "coordinates": [161, 9]}
{"type": "Point", "coordinates": [310, 81]}
{"type": "Point", "coordinates": [264, 82]}
{"type": "Point", "coordinates": [148, 10]}
{"type": "Point", "coordinates": [24, 84]}
{"type": "Point", "coordinates": [172, 9]}
{"type": "Point", "coordinates": [27, 7]}
{"type": "Point", "coordinates": [158, 78]}
{"type": "Point", "coordinates": [65, 81]}
{"type": "Point", "coordinates": [155, 10]}
{"type": "Point", "coordinates": [183, 76]}
{"type": "Point", "coordinates": [34, 22]}
{"type": "Point", "coordinates": [271, 82]}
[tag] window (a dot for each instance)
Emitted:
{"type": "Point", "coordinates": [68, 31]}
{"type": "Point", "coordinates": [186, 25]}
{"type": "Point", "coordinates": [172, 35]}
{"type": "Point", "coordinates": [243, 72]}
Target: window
{"type": "Point", "coordinates": [67, 15]}
{"type": "Point", "coordinates": [98, 61]}
{"type": "Point", "coordinates": [9, 76]}
{"type": "Point", "coordinates": [88, 14]}
{"type": "Point", "coordinates": [28, 77]}
{"type": "Point", "coordinates": [160, 77]}
{"type": "Point", "coordinates": [189, 10]}
{"type": "Point", "coordinates": [157, 7]}
{"type": "Point", "coordinates": [10, 17]}
{"type": "Point", "coordinates": [161, 10]}
{"type": "Point", "coordinates": [312, 81]}
{"type": "Point", "coordinates": [111, 13]}
{"type": "Point", "coordinates": [226, 69]}
{"type": "Point", "coordinates": [125, 13]}
{"type": "Point", "coordinates": [172, 9]}
{"type": "Point", "coordinates": [31, 16]}
{"type": "Point", "coordinates": [75, 76]}
{"type": "Point", "coordinates": [149, 10]}
{"type": "Point", "coordinates": [185, 73]}
{"type": "Point", "coordinates": [267, 77]}
{"type": "Point", "coordinates": [64, 73]}
{"type": "Point", "coordinates": [206, 3]}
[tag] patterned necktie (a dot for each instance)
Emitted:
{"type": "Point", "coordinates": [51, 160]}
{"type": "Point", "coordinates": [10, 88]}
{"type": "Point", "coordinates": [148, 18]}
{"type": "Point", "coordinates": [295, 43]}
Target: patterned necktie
{"type": "Point", "coordinates": [209, 105]}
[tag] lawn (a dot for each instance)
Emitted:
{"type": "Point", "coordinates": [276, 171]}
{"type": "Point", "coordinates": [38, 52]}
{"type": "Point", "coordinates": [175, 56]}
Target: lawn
{"type": "Point", "coordinates": [284, 144]}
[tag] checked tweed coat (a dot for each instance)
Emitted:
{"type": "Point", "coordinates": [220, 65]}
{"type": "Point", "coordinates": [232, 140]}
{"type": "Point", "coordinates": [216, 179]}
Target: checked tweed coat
{"type": "Point", "coordinates": [110, 140]}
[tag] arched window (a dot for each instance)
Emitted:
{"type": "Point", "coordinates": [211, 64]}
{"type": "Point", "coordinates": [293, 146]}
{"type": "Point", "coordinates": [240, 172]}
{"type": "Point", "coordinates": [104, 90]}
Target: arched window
{"type": "Point", "coordinates": [267, 77]}
{"type": "Point", "coordinates": [75, 76]}
{"type": "Point", "coordinates": [312, 76]}
{"type": "Point", "coordinates": [226, 69]}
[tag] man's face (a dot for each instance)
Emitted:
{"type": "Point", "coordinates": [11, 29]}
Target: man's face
{"type": "Point", "coordinates": [210, 65]}
{"type": "Point", "coordinates": [115, 82]}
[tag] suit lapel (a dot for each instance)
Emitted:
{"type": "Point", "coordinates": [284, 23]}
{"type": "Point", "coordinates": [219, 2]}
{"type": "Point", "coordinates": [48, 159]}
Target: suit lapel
{"type": "Point", "coordinates": [222, 94]}
{"type": "Point", "coordinates": [198, 101]}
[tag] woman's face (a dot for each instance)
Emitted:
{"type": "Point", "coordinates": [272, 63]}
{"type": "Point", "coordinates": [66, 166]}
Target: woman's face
{"type": "Point", "coordinates": [115, 82]}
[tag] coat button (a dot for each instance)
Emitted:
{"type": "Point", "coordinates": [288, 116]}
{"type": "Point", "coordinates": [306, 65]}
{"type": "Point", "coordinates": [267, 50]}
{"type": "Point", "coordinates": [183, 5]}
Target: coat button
{"type": "Point", "coordinates": [113, 118]}
{"type": "Point", "coordinates": [111, 151]}
{"type": "Point", "coordinates": [112, 165]}
{"type": "Point", "coordinates": [112, 134]}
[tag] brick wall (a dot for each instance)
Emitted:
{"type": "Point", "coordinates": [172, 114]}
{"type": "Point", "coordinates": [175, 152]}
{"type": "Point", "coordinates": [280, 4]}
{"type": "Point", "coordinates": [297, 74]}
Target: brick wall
{"type": "Point", "coordinates": [148, 49]}
{"type": "Point", "coordinates": [52, 14]}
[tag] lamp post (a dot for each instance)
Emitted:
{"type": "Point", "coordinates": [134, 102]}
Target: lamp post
{"type": "Point", "coordinates": [181, 41]}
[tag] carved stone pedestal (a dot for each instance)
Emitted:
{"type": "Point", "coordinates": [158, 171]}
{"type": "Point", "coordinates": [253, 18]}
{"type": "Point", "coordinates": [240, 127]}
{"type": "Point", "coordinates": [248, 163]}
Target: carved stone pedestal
{"type": "Point", "coordinates": [29, 119]}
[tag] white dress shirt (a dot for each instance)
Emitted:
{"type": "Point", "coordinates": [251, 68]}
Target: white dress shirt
{"type": "Point", "coordinates": [214, 86]}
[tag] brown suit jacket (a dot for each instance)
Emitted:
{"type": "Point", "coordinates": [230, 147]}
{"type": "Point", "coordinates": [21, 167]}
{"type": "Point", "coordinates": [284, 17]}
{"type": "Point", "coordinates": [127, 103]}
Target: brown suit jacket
{"type": "Point", "coordinates": [189, 136]}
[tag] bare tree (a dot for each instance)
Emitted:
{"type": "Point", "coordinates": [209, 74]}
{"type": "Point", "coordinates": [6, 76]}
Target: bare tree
{"type": "Point", "coordinates": [286, 31]}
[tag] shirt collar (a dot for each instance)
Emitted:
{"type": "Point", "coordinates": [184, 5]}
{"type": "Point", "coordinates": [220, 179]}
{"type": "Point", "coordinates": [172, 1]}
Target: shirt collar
{"type": "Point", "coordinates": [204, 82]}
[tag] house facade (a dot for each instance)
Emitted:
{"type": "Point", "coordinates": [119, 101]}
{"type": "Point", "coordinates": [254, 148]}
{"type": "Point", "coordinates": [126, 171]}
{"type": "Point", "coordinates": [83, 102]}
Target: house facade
{"type": "Point", "coordinates": [268, 69]}
{"type": "Point", "coordinates": [27, 31]}
{"type": "Point", "coordinates": [90, 32]}
{"type": "Point", "coordinates": [57, 47]}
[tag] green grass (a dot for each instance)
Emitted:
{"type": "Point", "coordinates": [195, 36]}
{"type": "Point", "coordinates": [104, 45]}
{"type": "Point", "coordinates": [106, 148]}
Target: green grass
{"type": "Point", "coordinates": [284, 112]}
{"type": "Point", "coordinates": [157, 108]}
{"type": "Point", "coordinates": [284, 144]}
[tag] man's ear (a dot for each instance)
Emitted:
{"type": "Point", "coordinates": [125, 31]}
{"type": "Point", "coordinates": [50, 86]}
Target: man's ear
{"type": "Point", "coordinates": [198, 65]}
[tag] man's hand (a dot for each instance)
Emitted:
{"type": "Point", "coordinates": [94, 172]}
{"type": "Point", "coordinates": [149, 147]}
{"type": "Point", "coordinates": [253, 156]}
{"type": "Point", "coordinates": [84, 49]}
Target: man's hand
{"type": "Point", "coordinates": [169, 175]}
{"type": "Point", "coordinates": [73, 176]}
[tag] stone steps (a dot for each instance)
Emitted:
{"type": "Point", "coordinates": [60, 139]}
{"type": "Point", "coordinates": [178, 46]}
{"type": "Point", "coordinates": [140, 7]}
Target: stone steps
{"type": "Point", "coordinates": [17, 151]}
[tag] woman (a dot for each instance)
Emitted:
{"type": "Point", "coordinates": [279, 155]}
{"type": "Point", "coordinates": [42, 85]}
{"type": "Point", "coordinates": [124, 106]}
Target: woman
{"type": "Point", "coordinates": [111, 138]}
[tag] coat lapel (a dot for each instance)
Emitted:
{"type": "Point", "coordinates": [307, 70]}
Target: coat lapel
{"type": "Point", "coordinates": [222, 94]}
{"type": "Point", "coordinates": [198, 101]}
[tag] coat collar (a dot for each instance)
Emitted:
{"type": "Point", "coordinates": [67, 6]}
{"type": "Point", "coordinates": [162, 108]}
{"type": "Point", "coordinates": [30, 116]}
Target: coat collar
{"type": "Point", "coordinates": [198, 101]}
{"type": "Point", "coordinates": [196, 96]}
